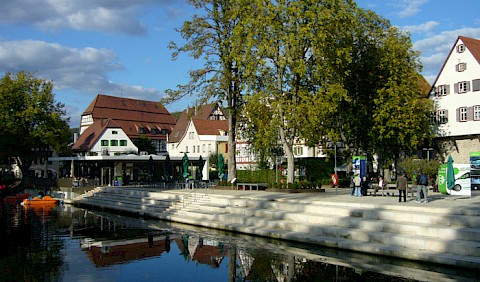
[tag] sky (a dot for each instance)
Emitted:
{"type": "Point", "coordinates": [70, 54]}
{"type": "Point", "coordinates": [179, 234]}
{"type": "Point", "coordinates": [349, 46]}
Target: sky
{"type": "Point", "coordinates": [120, 47]}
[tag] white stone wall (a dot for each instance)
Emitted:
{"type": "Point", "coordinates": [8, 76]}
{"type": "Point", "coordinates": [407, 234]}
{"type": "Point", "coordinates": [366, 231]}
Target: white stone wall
{"type": "Point", "coordinates": [459, 149]}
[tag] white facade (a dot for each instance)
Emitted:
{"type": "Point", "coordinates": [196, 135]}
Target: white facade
{"type": "Point", "coordinates": [456, 94]}
{"type": "Point", "coordinates": [196, 145]}
{"type": "Point", "coordinates": [113, 141]}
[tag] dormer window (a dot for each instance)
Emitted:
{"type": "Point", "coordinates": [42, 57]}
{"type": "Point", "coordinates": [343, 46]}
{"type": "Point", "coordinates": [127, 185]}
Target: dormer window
{"type": "Point", "coordinates": [142, 130]}
{"type": "Point", "coordinates": [114, 132]}
{"type": "Point", "coordinates": [461, 67]}
{"type": "Point", "coordinates": [460, 48]}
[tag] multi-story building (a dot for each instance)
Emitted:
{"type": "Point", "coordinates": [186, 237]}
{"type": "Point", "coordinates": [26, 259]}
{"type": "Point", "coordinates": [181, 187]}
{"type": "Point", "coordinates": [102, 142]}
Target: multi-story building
{"type": "Point", "coordinates": [456, 94]}
{"type": "Point", "coordinates": [110, 124]}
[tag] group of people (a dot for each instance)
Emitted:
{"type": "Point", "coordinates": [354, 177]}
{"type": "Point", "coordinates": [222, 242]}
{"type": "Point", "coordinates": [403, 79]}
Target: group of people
{"type": "Point", "coordinates": [360, 186]}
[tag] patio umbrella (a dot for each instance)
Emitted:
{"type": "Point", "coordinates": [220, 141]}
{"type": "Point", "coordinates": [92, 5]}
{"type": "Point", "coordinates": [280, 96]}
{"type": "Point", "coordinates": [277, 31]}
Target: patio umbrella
{"type": "Point", "coordinates": [168, 167]}
{"type": "Point", "coordinates": [221, 163]}
{"type": "Point", "coordinates": [185, 165]}
{"type": "Point", "coordinates": [450, 173]}
{"type": "Point", "coordinates": [150, 168]}
{"type": "Point", "coordinates": [201, 163]}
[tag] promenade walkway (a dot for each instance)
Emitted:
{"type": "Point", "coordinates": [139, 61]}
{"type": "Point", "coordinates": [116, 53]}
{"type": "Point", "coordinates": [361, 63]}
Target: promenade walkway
{"type": "Point", "coordinates": [444, 231]}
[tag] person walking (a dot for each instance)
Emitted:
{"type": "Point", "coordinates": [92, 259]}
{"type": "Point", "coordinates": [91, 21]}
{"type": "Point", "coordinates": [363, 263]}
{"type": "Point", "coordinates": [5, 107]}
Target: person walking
{"type": "Point", "coordinates": [402, 188]}
{"type": "Point", "coordinates": [357, 181]}
{"type": "Point", "coordinates": [422, 182]}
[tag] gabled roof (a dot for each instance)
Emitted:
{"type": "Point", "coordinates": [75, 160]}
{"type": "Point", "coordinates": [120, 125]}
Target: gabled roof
{"type": "Point", "coordinates": [473, 46]}
{"type": "Point", "coordinates": [131, 114]}
{"type": "Point", "coordinates": [210, 127]}
{"type": "Point", "coordinates": [201, 113]}
{"type": "Point", "coordinates": [88, 139]}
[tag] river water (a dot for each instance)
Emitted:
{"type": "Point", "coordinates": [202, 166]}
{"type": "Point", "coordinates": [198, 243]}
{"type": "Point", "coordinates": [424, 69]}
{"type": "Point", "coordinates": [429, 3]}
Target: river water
{"type": "Point", "coordinates": [66, 243]}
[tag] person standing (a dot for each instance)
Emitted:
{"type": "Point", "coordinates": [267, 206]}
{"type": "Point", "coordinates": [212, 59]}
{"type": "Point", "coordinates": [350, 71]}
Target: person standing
{"type": "Point", "coordinates": [357, 181]}
{"type": "Point", "coordinates": [402, 188]}
{"type": "Point", "coordinates": [364, 186]}
{"type": "Point", "coordinates": [422, 182]}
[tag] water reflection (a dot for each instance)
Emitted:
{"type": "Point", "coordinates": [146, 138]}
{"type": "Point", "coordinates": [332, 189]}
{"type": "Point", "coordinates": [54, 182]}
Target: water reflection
{"type": "Point", "coordinates": [68, 243]}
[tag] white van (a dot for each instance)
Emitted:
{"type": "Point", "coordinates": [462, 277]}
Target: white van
{"type": "Point", "coordinates": [462, 181]}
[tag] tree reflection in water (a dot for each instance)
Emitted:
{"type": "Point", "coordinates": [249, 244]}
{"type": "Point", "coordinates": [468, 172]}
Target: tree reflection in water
{"type": "Point", "coordinates": [41, 246]}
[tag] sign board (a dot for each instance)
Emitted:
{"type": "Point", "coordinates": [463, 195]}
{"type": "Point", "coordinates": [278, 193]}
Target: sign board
{"type": "Point", "coordinates": [360, 165]}
{"type": "Point", "coordinates": [462, 180]}
{"type": "Point", "coordinates": [475, 169]}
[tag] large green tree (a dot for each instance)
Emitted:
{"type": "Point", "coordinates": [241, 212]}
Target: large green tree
{"type": "Point", "coordinates": [331, 71]}
{"type": "Point", "coordinates": [295, 90]}
{"type": "Point", "coordinates": [217, 37]}
{"type": "Point", "coordinates": [30, 118]}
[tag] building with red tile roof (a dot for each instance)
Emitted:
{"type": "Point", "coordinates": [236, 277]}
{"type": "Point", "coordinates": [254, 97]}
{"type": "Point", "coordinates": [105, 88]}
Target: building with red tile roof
{"type": "Point", "coordinates": [456, 96]}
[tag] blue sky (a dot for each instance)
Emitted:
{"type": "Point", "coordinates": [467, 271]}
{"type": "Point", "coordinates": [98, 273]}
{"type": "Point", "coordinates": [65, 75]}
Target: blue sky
{"type": "Point", "coordinates": [119, 47]}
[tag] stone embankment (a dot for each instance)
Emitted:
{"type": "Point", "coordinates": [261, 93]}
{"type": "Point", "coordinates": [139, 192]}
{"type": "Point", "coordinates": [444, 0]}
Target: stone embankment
{"type": "Point", "coordinates": [444, 231]}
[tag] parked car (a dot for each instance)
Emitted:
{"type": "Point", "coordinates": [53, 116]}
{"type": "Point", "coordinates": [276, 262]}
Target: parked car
{"type": "Point", "coordinates": [475, 180]}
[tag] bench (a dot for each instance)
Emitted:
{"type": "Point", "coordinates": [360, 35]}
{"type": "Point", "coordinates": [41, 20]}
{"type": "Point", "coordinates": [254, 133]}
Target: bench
{"type": "Point", "coordinates": [250, 186]}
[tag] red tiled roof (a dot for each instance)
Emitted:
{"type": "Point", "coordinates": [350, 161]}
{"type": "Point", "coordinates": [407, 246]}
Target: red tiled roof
{"type": "Point", "coordinates": [473, 45]}
{"type": "Point", "coordinates": [92, 133]}
{"type": "Point", "coordinates": [210, 127]}
{"type": "Point", "coordinates": [128, 114]}
{"type": "Point", "coordinates": [201, 113]}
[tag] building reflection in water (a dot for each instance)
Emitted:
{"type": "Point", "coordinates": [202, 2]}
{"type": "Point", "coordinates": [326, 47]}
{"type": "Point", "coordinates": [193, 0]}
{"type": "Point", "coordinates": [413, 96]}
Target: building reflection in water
{"type": "Point", "coordinates": [111, 240]}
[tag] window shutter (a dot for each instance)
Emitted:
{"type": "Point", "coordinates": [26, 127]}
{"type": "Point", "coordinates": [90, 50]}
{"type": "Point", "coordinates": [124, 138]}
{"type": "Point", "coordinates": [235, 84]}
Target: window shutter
{"type": "Point", "coordinates": [476, 84]}
{"type": "Point", "coordinates": [468, 86]}
{"type": "Point", "coordinates": [447, 88]}
{"type": "Point", "coordinates": [458, 114]}
{"type": "Point", "coordinates": [469, 113]}
{"type": "Point", "coordinates": [446, 116]}
{"type": "Point", "coordinates": [455, 88]}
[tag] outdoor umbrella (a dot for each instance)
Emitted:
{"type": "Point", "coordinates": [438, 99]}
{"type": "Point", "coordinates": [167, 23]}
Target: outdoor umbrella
{"type": "Point", "coordinates": [200, 167]}
{"type": "Point", "coordinates": [450, 173]}
{"type": "Point", "coordinates": [185, 165]}
{"type": "Point", "coordinates": [150, 168]}
{"type": "Point", "coordinates": [220, 166]}
{"type": "Point", "coordinates": [168, 167]}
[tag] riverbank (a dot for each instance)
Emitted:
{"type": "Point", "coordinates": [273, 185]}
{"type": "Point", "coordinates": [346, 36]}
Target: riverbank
{"type": "Point", "coordinates": [444, 231]}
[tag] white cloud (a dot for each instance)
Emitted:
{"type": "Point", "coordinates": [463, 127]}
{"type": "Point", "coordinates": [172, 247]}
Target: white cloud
{"type": "Point", "coordinates": [410, 7]}
{"type": "Point", "coordinates": [425, 28]}
{"type": "Point", "coordinates": [82, 72]}
{"type": "Point", "coordinates": [120, 16]}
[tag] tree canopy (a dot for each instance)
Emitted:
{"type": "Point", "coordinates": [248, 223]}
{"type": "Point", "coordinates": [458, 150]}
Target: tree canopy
{"type": "Point", "coordinates": [30, 118]}
{"type": "Point", "coordinates": [308, 71]}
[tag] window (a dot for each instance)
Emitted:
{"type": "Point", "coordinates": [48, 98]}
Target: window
{"type": "Point", "coordinates": [442, 116]}
{"type": "Point", "coordinates": [203, 148]}
{"type": "Point", "coordinates": [123, 142]}
{"type": "Point", "coordinates": [142, 130]}
{"type": "Point", "coordinates": [476, 85]}
{"type": "Point", "coordinates": [462, 87]}
{"type": "Point", "coordinates": [194, 149]}
{"type": "Point", "coordinates": [209, 148]}
{"type": "Point", "coordinates": [198, 148]}
{"type": "Point", "coordinates": [463, 114]}
{"type": "Point", "coordinates": [114, 132]}
{"type": "Point", "coordinates": [443, 90]}
{"type": "Point", "coordinates": [461, 67]}
{"type": "Point", "coordinates": [476, 112]}
{"type": "Point", "coordinates": [460, 48]}
{"type": "Point", "coordinates": [104, 142]}
{"type": "Point", "coordinates": [113, 142]}
{"type": "Point", "coordinates": [155, 131]}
